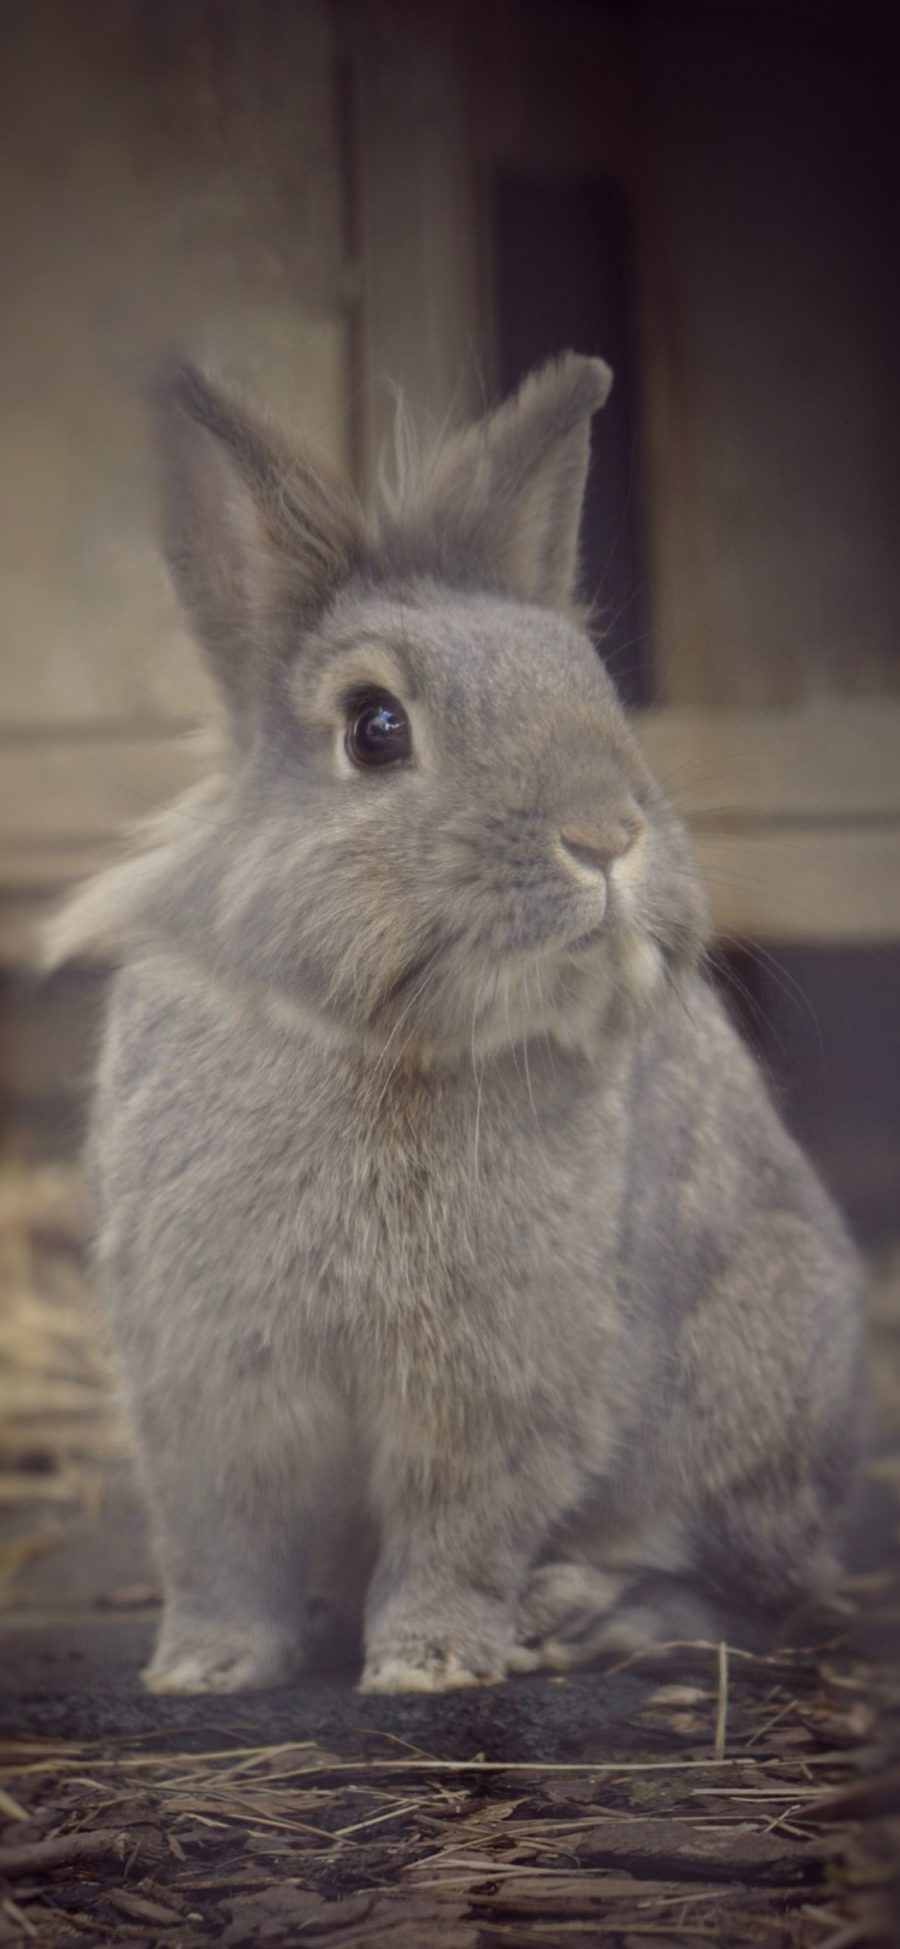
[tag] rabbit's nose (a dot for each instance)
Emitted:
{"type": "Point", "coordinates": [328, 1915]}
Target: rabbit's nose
{"type": "Point", "coordinates": [598, 851]}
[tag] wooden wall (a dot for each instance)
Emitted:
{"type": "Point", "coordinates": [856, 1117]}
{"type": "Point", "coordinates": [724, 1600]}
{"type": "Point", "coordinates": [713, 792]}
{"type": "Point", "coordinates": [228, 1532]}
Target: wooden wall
{"type": "Point", "coordinates": [296, 190]}
{"type": "Point", "coordinates": [172, 177]}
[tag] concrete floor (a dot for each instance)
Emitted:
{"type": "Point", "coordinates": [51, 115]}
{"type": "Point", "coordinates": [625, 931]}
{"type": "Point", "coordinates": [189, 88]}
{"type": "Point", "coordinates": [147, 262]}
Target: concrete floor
{"type": "Point", "coordinates": [70, 1663]}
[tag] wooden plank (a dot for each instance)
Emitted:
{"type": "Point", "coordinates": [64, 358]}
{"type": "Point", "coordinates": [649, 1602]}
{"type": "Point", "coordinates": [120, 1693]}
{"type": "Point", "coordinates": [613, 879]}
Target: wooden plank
{"type": "Point", "coordinates": [830, 762]}
{"type": "Point", "coordinates": [832, 759]}
{"type": "Point", "coordinates": [60, 794]}
{"type": "Point", "coordinates": [28, 873]}
{"type": "Point", "coordinates": [833, 885]}
{"type": "Point", "coordinates": [796, 815]}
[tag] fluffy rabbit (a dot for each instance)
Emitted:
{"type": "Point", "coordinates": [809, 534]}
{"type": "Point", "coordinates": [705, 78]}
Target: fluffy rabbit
{"type": "Point", "coordinates": [470, 1300]}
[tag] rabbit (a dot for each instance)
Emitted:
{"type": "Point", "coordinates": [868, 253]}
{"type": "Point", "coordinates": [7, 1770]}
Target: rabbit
{"type": "Point", "coordinates": [473, 1311]}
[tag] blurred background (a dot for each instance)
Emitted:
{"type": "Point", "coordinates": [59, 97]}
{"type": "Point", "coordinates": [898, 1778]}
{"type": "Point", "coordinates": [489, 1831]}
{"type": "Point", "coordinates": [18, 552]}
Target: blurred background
{"type": "Point", "coordinates": [321, 197]}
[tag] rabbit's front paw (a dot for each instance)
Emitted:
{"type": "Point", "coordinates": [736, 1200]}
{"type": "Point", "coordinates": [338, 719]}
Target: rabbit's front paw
{"type": "Point", "coordinates": [210, 1658]}
{"type": "Point", "coordinates": [432, 1661]}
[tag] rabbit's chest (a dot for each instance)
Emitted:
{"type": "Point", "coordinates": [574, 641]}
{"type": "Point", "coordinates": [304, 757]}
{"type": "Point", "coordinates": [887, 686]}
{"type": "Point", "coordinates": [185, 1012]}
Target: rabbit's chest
{"type": "Point", "coordinates": [384, 1230]}
{"type": "Point", "coordinates": [446, 1231]}
{"type": "Point", "coordinates": [451, 1245]}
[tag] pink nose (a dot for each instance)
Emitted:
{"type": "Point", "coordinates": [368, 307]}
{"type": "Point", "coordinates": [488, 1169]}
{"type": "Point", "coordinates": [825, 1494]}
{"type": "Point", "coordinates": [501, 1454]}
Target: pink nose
{"type": "Point", "coordinates": [599, 850]}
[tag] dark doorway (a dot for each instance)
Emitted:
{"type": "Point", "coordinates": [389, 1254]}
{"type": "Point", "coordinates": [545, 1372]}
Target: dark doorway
{"type": "Point", "coordinates": [563, 270]}
{"type": "Point", "coordinates": [825, 1022]}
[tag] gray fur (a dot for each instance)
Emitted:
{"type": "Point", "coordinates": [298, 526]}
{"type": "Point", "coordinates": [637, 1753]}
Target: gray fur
{"type": "Point", "coordinates": [465, 1285]}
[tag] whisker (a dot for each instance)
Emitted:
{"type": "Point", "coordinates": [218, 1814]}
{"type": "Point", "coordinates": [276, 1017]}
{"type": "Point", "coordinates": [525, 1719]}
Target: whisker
{"type": "Point", "coordinates": [786, 982]}
{"type": "Point", "coordinates": [429, 975]}
{"type": "Point", "coordinates": [478, 1076]}
{"type": "Point", "coordinates": [729, 978]}
{"type": "Point", "coordinates": [534, 1113]}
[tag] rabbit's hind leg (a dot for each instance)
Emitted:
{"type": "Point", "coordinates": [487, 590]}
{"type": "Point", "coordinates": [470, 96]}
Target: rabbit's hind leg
{"type": "Point", "coordinates": [571, 1613]}
{"type": "Point", "coordinates": [562, 1605]}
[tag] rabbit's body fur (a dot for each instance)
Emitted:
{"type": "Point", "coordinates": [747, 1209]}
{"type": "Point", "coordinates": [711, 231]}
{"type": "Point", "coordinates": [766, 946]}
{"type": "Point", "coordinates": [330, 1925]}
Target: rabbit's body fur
{"type": "Point", "coordinates": [468, 1294]}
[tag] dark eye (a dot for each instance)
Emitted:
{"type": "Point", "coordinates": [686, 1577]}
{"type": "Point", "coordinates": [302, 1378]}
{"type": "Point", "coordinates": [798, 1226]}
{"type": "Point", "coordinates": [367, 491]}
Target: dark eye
{"type": "Point", "coordinates": [378, 730]}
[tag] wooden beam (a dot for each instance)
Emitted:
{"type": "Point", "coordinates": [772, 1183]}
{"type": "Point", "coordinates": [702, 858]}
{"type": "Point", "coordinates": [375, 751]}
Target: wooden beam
{"type": "Point", "coordinates": [833, 759]}
{"type": "Point", "coordinates": [79, 794]}
{"type": "Point", "coordinates": [831, 885]}
{"type": "Point", "coordinates": [796, 814]}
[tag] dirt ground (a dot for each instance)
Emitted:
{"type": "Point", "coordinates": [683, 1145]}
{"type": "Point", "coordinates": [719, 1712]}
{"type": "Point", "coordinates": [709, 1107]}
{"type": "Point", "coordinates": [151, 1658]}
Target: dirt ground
{"type": "Point", "coordinates": [701, 1797]}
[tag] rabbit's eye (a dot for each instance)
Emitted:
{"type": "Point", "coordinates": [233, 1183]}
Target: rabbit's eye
{"type": "Point", "coordinates": [378, 730]}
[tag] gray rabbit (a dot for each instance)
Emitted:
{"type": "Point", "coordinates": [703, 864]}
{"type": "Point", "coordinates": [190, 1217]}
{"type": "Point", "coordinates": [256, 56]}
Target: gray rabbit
{"type": "Point", "coordinates": [470, 1301]}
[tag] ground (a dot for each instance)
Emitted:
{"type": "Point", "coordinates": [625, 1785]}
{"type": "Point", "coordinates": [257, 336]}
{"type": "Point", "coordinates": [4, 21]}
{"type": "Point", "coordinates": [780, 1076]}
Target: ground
{"type": "Point", "coordinates": [702, 1797]}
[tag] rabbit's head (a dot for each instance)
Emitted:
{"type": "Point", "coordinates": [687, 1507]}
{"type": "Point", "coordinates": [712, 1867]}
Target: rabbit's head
{"type": "Point", "coordinates": [434, 822]}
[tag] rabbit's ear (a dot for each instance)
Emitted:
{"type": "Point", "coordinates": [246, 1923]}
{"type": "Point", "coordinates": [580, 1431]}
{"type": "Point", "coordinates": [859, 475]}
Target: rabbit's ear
{"type": "Point", "coordinates": [256, 537]}
{"type": "Point", "coordinates": [500, 502]}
